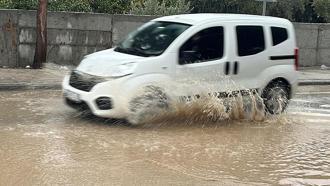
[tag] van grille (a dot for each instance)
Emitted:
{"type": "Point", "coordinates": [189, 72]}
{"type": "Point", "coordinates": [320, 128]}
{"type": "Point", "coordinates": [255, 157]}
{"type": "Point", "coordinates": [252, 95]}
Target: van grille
{"type": "Point", "coordinates": [82, 81]}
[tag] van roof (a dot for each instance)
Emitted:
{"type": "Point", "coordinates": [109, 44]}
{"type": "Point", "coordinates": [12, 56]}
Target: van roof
{"type": "Point", "coordinates": [195, 19]}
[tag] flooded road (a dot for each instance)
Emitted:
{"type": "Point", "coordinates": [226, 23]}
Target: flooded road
{"type": "Point", "coordinates": [44, 142]}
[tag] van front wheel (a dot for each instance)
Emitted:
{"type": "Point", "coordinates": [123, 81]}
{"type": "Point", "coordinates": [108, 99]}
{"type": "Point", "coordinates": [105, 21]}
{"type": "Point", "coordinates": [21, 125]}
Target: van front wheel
{"type": "Point", "coordinates": [152, 102]}
{"type": "Point", "coordinates": [276, 97]}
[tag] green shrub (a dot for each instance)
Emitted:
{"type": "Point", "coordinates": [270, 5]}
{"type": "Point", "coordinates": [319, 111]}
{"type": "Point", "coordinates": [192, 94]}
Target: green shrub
{"type": "Point", "coordinates": [110, 6]}
{"type": "Point", "coordinates": [286, 8]}
{"type": "Point", "coordinates": [23, 4]}
{"type": "Point", "coordinates": [70, 5]}
{"type": "Point", "coordinates": [165, 7]}
{"type": "Point", "coordinates": [226, 6]}
{"type": "Point", "coordinates": [5, 4]}
{"type": "Point", "coordinates": [322, 7]}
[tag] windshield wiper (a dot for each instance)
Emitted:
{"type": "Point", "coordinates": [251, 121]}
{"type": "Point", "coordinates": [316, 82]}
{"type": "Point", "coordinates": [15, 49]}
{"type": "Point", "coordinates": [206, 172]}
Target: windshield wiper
{"type": "Point", "coordinates": [132, 51]}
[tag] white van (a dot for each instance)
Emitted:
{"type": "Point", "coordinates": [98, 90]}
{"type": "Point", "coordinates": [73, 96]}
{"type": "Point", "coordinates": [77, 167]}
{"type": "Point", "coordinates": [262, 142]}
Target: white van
{"type": "Point", "coordinates": [257, 52]}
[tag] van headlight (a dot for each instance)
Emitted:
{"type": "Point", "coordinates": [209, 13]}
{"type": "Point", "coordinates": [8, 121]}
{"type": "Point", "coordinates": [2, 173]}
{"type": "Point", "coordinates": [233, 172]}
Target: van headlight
{"type": "Point", "coordinates": [122, 70]}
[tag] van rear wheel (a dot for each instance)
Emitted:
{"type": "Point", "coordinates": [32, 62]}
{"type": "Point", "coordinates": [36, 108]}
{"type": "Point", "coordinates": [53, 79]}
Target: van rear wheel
{"type": "Point", "coordinates": [276, 97]}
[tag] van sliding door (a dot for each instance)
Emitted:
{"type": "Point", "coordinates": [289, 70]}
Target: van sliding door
{"type": "Point", "coordinates": [201, 60]}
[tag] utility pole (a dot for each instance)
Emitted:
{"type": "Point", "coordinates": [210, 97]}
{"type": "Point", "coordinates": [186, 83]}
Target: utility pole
{"type": "Point", "coordinates": [40, 54]}
{"type": "Point", "coordinates": [265, 5]}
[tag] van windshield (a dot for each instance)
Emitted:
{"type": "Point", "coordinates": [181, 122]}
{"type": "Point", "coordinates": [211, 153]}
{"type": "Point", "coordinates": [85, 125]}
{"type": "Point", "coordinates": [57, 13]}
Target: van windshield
{"type": "Point", "coordinates": [151, 39]}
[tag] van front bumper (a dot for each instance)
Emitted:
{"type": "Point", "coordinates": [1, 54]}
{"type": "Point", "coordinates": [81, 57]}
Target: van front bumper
{"type": "Point", "coordinates": [103, 99]}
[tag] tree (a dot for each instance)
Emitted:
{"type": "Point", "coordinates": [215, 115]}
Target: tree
{"type": "Point", "coordinates": [41, 43]}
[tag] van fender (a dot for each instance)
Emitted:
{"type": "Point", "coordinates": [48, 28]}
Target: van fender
{"type": "Point", "coordinates": [146, 94]}
{"type": "Point", "coordinates": [135, 84]}
{"type": "Point", "coordinates": [285, 72]}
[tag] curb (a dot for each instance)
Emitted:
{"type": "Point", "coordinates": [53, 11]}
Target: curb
{"type": "Point", "coordinates": [313, 82]}
{"type": "Point", "coordinates": [28, 86]}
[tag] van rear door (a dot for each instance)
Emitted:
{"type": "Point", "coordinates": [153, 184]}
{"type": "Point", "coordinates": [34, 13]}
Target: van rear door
{"type": "Point", "coordinates": [202, 59]}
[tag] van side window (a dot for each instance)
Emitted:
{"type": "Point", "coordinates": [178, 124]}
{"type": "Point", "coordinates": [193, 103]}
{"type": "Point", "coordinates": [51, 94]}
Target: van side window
{"type": "Point", "coordinates": [279, 35]}
{"type": "Point", "coordinates": [250, 40]}
{"type": "Point", "coordinates": [206, 45]}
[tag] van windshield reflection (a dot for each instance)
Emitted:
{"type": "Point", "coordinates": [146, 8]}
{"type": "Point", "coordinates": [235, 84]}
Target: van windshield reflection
{"type": "Point", "coordinates": [152, 39]}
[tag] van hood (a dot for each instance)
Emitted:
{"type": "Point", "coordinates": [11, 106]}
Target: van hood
{"type": "Point", "coordinates": [99, 63]}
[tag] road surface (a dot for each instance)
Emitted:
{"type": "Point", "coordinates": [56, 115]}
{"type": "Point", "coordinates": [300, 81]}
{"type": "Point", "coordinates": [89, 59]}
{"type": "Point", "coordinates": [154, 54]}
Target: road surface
{"type": "Point", "coordinates": [45, 142]}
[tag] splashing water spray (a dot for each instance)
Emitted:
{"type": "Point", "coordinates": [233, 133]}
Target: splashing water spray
{"type": "Point", "coordinates": [192, 102]}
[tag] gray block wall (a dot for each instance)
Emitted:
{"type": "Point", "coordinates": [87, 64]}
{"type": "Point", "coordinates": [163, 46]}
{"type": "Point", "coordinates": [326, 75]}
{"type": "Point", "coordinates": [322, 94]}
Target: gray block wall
{"type": "Point", "coordinates": [324, 45]}
{"type": "Point", "coordinates": [8, 38]}
{"type": "Point", "coordinates": [70, 36]}
{"type": "Point", "coordinates": [314, 43]}
{"type": "Point", "coordinates": [124, 24]}
{"type": "Point", "coordinates": [73, 35]}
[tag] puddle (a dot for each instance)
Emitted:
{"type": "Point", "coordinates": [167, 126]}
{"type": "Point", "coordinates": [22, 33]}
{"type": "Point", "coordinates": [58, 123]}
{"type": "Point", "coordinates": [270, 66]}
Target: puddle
{"type": "Point", "coordinates": [202, 142]}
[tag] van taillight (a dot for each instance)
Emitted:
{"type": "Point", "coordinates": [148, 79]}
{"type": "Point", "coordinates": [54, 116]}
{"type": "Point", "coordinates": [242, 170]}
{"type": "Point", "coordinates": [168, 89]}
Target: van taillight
{"type": "Point", "coordinates": [296, 58]}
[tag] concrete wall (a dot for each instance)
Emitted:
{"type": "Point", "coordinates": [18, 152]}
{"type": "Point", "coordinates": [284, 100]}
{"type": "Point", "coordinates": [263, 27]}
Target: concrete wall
{"type": "Point", "coordinates": [70, 36]}
{"type": "Point", "coordinates": [314, 43]}
{"type": "Point", "coordinates": [8, 38]}
{"type": "Point", "coordinates": [73, 35]}
{"type": "Point", "coordinates": [124, 24]}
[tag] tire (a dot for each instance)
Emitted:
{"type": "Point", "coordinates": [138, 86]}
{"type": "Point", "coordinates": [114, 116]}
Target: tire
{"type": "Point", "coordinates": [152, 102]}
{"type": "Point", "coordinates": [276, 97]}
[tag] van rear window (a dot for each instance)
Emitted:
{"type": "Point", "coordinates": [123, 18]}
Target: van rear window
{"type": "Point", "coordinates": [279, 35]}
{"type": "Point", "coordinates": [250, 40]}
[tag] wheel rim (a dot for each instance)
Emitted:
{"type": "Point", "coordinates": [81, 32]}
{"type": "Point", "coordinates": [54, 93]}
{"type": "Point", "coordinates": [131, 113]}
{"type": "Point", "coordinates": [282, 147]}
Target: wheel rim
{"type": "Point", "coordinates": [276, 100]}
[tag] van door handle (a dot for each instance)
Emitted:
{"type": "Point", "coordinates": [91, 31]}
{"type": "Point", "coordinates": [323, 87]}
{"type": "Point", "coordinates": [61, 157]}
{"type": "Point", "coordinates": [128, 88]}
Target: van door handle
{"type": "Point", "coordinates": [227, 67]}
{"type": "Point", "coordinates": [236, 67]}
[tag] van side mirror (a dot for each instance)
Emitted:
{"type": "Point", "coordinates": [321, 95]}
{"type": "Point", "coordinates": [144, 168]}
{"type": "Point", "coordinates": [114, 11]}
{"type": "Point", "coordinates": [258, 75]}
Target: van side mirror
{"type": "Point", "coordinates": [187, 57]}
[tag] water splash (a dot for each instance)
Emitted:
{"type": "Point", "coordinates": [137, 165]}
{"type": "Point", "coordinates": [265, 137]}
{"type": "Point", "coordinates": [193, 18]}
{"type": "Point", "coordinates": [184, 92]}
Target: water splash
{"type": "Point", "coordinates": [205, 104]}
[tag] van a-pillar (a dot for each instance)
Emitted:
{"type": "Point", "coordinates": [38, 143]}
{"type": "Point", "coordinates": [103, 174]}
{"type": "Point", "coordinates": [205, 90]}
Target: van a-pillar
{"type": "Point", "coordinates": [40, 54]}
